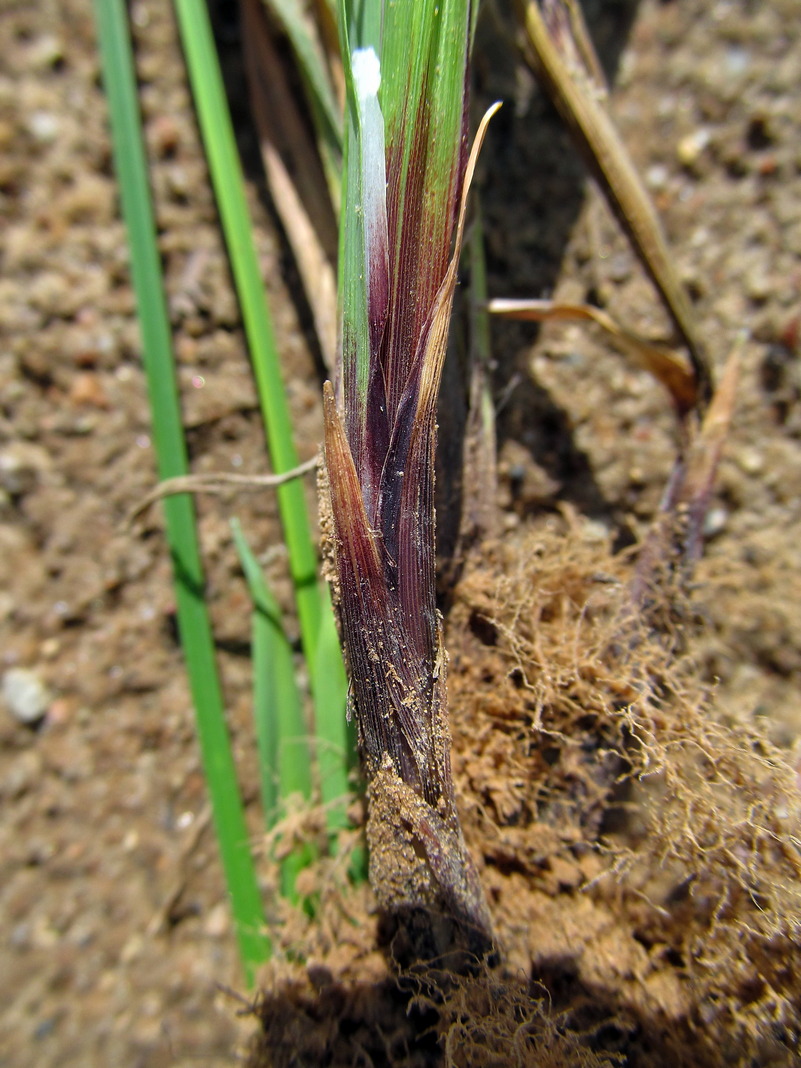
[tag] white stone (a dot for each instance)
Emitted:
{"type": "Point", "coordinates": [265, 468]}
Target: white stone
{"type": "Point", "coordinates": [25, 695]}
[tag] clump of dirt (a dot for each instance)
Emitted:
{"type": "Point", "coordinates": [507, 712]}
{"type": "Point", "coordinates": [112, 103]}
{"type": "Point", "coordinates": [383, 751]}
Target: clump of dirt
{"type": "Point", "coordinates": [625, 748]}
{"type": "Point", "coordinates": [640, 857]}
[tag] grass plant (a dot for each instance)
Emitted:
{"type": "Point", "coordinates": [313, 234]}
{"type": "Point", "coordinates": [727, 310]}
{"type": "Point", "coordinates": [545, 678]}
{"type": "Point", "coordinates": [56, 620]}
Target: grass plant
{"type": "Point", "coordinates": [406, 178]}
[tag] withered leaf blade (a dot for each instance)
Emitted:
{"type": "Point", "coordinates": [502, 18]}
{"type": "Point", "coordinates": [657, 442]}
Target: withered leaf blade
{"type": "Point", "coordinates": [560, 63]}
{"type": "Point", "coordinates": [667, 366]}
{"type": "Point", "coordinates": [675, 542]}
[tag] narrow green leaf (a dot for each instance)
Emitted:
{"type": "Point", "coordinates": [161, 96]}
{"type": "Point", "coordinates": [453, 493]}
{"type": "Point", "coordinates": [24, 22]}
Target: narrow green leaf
{"type": "Point", "coordinates": [280, 729]}
{"type": "Point", "coordinates": [281, 734]}
{"type": "Point", "coordinates": [196, 637]}
{"type": "Point", "coordinates": [226, 174]}
{"type": "Point", "coordinates": [334, 740]}
{"type": "Point", "coordinates": [328, 691]}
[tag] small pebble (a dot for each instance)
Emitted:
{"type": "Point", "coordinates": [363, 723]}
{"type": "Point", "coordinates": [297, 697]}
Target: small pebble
{"type": "Point", "coordinates": [23, 774]}
{"type": "Point", "coordinates": [657, 177]}
{"type": "Point", "coordinates": [758, 284]}
{"type": "Point", "coordinates": [165, 134]}
{"type": "Point", "coordinates": [43, 127]}
{"type": "Point", "coordinates": [50, 648]}
{"type": "Point", "coordinates": [594, 531]}
{"type": "Point", "coordinates": [217, 922]}
{"type": "Point", "coordinates": [738, 60]}
{"type": "Point", "coordinates": [690, 147]}
{"type": "Point", "coordinates": [132, 948]}
{"type": "Point", "coordinates": [47, 52]}
{"type": "Point", "coordinates": [620, 267]}
{"type": "Point", "coordinates": [87, 389]}
{"type": "Point", "coordinates": [715, 522]}
{"type": "Point", "coordinates": [20, 937]}
{"type": "Point", "coordinates": [26, 696]}
{"type": "Point", "coordinates": [131, 841]}
{"type": "Point", "coordinates": [751, 461]}
{"type": "Point", "coordinates": [60, 711]}
{"type": "Point", "coordinates": [45, 1028]}
{"type": "Point", "coordinates": [21, 465]}
{"type": "Point", "coordinates": [178, 183]}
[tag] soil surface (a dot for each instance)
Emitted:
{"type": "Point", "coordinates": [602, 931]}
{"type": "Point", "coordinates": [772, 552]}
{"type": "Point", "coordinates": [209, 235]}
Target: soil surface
{"type": "Point", "coordinates": [116, 945]}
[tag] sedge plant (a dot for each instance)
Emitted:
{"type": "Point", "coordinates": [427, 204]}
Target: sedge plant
{"type": "Point", "coordinates": [406, 177]}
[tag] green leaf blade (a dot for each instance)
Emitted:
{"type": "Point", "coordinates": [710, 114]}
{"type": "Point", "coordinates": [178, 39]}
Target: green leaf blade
{"type": "Point", "coordinates": [196, 637]}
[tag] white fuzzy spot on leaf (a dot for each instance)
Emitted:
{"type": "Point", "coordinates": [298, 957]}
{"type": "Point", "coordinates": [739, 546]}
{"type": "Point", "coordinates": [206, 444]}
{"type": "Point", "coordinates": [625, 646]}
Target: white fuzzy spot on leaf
{"type": "Point", "coordinates": [366, 72]}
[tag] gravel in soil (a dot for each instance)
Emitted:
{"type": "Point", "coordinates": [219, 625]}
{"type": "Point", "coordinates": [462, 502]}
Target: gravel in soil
{"type": "Point", "coordinates": [116, 939]}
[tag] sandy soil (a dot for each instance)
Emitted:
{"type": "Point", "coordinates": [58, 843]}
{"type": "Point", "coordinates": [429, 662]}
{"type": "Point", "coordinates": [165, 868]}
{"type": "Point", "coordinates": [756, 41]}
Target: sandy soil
{"type": "Point", "coordinates": [115, 932]}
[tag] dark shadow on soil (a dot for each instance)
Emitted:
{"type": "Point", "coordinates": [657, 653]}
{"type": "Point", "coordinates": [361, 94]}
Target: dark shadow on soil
{"type": "Point", "coordinates": [492, 1019]}
{"type": "Point", "coordinates": [323, 1022]}
{"type": "Point", "coordinates": [532, 193]}
{"type": "Point", "coordinates": [532, 190]}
